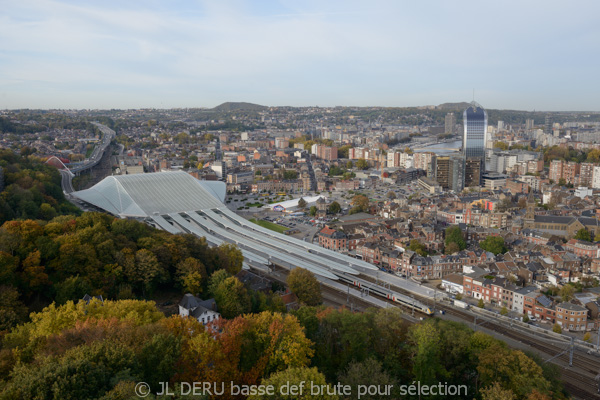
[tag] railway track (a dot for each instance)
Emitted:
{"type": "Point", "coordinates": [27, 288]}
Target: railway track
{"type": "Point", "coordinates": [579, 379]}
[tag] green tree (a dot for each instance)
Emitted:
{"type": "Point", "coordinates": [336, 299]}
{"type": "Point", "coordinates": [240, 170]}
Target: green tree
{"type": "Point", "coordinates": [313, 210]}
{"type": "Point", "coordinates": [504, 311]}
{"type": "Point", "coordinates": [334, 207]}
{"type": "Point", "coordinates": [454, 234]}
{"type": "Point", "coordinates": [215, 280]}
{"type": "Point", "coordinates": [232, 298]}
{"type": "Point", "coordinates": [73, 288]}
{"type": "Point", "coordinates": [480, 303]}
{"type": "Point", "coordinates": [556, 328]}
{"type": "Point", "coordinates": [493, 244]}
{"type": "Point", "coordinates": [525, 318]}
{"type": "Point", "coordinates": [305, 286]}
{"type": "Point", "coordinates": [362, 164]}
{"type": "Point", "coordinates": [349, 164]}
{"type": "Point", "coordinates": [391, 195]}
{"type": "Point", "coordinates": [566, 293]}
{"type": "Point", "coordinates": [12, 309]}
{"type": "Point", "coordinates": [427, 352]}
{"type": "Point", "coordinates": [368, 372]}
{"type": "Point", "coordinates": [230, 258]}
{"type": "Point", "coordinates": [583, 234]}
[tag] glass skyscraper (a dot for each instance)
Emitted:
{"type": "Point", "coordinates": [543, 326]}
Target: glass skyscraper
{"type": "Point", "coordinates": [475, 125]}
{"type": "Point", "coordinates": [475, 128]}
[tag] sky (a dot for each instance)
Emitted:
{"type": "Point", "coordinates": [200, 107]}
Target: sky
{"type": "Point", "coordinates": [525, 55]}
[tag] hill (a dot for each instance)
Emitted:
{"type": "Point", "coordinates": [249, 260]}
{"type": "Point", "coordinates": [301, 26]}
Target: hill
{"type": "Point", "coordinates": [453, 106]}
{"type": "Point", "coordinates": [238, 106]}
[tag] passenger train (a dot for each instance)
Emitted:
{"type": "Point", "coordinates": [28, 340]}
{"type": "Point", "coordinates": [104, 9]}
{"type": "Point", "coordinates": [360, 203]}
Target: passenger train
{"type": "Point", "coordinates": [385, 293]}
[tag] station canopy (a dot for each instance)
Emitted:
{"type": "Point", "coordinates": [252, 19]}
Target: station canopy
{"type": "Point", "coordinates": [147, 195]}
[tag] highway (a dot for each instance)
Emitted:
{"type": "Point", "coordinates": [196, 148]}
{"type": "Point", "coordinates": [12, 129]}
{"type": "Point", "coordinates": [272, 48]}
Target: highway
{"type": "Point", "coordinates": [92, 161]}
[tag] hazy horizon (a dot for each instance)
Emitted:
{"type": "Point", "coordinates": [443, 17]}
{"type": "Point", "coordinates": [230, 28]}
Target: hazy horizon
{"type": "Point", "coordinates": [64, 54]}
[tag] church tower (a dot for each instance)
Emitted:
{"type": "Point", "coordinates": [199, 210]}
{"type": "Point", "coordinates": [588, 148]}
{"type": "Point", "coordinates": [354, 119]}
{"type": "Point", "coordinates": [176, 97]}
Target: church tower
{"type": "Point", "coordinates": [529, 222]}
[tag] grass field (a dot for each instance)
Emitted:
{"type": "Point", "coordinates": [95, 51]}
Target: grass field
{"type": "Point", "coordinates": [269, 225]}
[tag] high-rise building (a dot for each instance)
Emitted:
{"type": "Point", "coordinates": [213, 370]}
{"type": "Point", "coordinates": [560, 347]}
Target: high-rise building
{"type": "Point", "coordinates": [529, 124]}
{"type": "Point", "coordinates": [548, 125]}
{"type": "Point", "coordinates": [474, 137]}
{"type": "Point", "coordinates": [450, 124]}
{"type": "Point", "coordinates": [473, 171]}
{"type": "Point", "coordinates": [449, 172]}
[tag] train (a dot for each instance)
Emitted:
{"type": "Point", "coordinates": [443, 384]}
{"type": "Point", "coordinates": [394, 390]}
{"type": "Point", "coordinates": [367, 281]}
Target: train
{"type": "Point", "coordinates": [382, 292]}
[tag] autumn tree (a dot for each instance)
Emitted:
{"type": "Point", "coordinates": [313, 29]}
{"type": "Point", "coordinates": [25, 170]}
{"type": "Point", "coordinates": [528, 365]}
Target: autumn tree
{"type": "Point", "coordinates": [305, 286]}
{"type": "Point", "coordinates": [191, 275]}
{"type": "Point", "coordinates": [294, 377]}
{"type": "Point", "coordinates": [360, 203]}
{"type": "Point", "coordinates": [418, 247]}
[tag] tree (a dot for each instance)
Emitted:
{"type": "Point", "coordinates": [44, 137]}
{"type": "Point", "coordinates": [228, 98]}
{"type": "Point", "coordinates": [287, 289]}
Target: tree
{"type": "Point", "coordinates": [232, 298]}
{"type": "Point", "coordinates": [305, 286]}
{"type": "Point", "coordinates": [562, 182]}
{"type": "Point", "coordinates": [418, 247]}
{"type": "Point", "coordinates": [587, 337]}
{"type": "Point", "coordinates": [12, 310]}
{"type": "Point", "coordinates": [230, 258]}
{"type": "Point", "coordinates": [566, 293]}
{"type": "Point", "coordinates": [362, 164]}
{"type": "Point", "coordinates": [391, 195]}
{"type": "Point", "coordinates": [504, 311]}
{"type": "Point", "coordinates": [313, 210]}
{"type": "Point", "coordinates": [496, 392]}
{"type": "Point", "coordinates": [360, 203]}
{"type": "Point", "coordinates": [334, 207]}
{"type": "Point", "coordinates": [451, 248]}
{"type": "Point", "coordinates": [583, 234]}
{"type": "Point", "coordinates": [493, 244]}
{"type": "Point", "coordinates": [525, 318]}
{"type": "Point", "coordinates": [191, 275]}
{"type": "Point", "coordinates": [480, 303]}
{"type": "Point", "coordinates": [556, 328]}
{"type": "Point", "coordinates": [349, 164]}
{"type": "Point", "coordinates": [454, 234]}
{"type": "Point", "coordinates": [302, 203]}
{"type": "Point", "coordinates": [294, 377]}
{"type": "Point", "coordinates": [215, 280]}
{"type": "Point", "coordinates": [368, 372]}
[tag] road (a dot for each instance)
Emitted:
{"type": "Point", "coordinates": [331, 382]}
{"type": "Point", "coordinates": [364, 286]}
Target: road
{"type": "Point", "coordinates": [92, 161]}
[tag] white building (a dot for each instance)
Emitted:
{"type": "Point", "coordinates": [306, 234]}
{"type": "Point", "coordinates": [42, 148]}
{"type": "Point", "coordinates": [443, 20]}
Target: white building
{"type": "Point", "coordinates": [204, 311]}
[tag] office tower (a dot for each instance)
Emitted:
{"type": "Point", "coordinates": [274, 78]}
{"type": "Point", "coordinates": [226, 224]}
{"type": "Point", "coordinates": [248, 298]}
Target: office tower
{"type": "Point", "coordinates": [449, 172]}
{"type": "Point", "coordinates": [500, 126]}
{"type": "Point", "coordinates": [473, 172]}
{"type": "Point", "coordinates": [548, 125]}
{"type": "Point", "coordinates": [529, 124]}
{"type": "Point", "coordinates": [450, 124]}
{"type": "Point", "coordinates": [474, 137]}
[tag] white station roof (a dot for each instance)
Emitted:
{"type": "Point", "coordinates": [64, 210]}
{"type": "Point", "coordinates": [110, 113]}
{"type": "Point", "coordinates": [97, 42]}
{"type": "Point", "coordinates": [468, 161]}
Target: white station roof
{"type": "Point", "coordinates": [160, 193]}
